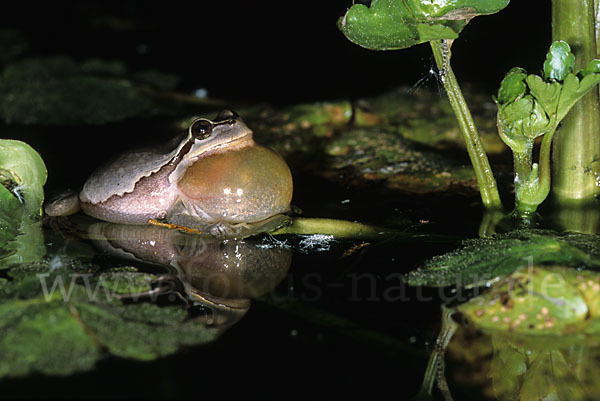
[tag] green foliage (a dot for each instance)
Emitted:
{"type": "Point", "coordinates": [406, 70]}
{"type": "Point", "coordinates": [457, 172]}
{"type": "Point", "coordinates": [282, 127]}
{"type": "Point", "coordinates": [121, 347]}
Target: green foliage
{"type": "Point", "coordinates": [22, 178]}
{"type": "Point", "coordinates": [397, 24]}
{"type": "Point", "coordinates": [22, 171]}
{"type": "Point", "coordinates": [519, 366]}
{"type": "Point", "coordinates": [530, 106]}
{"type": "Point", "coordinates": [537, 300]}
{"type": "Point", "coordinates": [59, 318]}
{"type": "Point", "coordinates": [524, 370]}
{"type": "Point", "coordinates": [482, 260]}
{"type": "Point", "coordinates": [559, 61]}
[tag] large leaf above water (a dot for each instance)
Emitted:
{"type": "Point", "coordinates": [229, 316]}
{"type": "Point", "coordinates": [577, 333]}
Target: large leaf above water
{"type": "Point", "coordinates": [398, 24]}
{"type": "Point", "coordinates": [481, 260]}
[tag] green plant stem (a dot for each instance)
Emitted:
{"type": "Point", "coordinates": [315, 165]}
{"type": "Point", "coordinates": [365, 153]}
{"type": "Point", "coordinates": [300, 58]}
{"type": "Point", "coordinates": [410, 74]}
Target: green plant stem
{"type": "Point", "coordinates": [352, 229]}
{"type": "Point", "coordinates": [532, 184]}
{"type": "Point", "coordinates": [523, 162]}
{"type": "Point", "coordinates": [596, 26]}
{"type": "Point", "coordinates": [544, 163]}
{"type": "Point", "coordinates": [576, 150]}
{"type": "Point", "coordinates": [479, 160]}
{"type": "Point", "coordinates": [337, 228]}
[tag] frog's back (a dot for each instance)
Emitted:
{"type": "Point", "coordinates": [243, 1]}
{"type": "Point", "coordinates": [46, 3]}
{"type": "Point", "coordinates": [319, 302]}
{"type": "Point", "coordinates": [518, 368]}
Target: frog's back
{"type": "Point", "coordinates": [121, 175]}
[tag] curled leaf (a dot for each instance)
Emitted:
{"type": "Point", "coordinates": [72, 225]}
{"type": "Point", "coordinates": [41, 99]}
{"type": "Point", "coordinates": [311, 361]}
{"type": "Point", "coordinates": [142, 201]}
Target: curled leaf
{"type": "Point", "coordinates": [512, 86]}
{"type": "Point", "coordinates": [22, 177]}
{"type": "Point", "coordinates": [559, 61]}
{"type": "Point", "coordinates": [552, 96]}
{"type": "Point", "coordinates": [23, 173]}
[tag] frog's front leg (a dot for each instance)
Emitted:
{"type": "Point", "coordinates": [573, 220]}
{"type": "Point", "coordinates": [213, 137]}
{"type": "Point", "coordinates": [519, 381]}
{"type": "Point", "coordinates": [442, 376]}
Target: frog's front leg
{"type": "Point", "coordinates": [243, 230]}
{"type": "Point", "coordinates": [190, 216]}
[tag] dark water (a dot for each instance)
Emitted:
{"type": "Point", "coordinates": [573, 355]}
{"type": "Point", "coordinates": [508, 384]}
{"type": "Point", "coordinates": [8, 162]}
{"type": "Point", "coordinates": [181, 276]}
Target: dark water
{"type": "Point", "coordinates": [335, 327]}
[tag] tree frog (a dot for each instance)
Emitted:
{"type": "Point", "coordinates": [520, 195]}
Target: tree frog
{"type": "Point", "coordinates": [215, 180]}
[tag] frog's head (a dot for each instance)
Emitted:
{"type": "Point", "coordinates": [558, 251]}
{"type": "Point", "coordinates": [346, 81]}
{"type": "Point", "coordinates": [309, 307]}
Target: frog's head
{"type": "Point", "coordinates": [226, 132]}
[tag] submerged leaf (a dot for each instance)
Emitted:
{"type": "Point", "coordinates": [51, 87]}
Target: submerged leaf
{"type": "Point", "coordinates": [533, 300]}
{"type": "Point", "coordinates": [483, 259]}
{"type": "Point", "coordinates": [43, 337]}
{"type": "Point", "coordinates": [60, 320]}
{"type": "Point", "coordinates": [140, 335]}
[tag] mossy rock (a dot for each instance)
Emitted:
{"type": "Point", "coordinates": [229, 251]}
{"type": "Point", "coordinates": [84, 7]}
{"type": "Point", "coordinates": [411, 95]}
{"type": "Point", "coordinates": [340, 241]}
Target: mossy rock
{"type": "Point", "coordinates": [427, 117]}
{"type": "Point", "coordinates": [378, 155]}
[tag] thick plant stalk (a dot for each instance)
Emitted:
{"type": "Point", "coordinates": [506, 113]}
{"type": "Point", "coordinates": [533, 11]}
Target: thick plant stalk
{"type": "Point", "coordinates": [479, 160]}
{"type": "Point", "coordinates": [597, 26]}
{"type": "Point", "coordinates": [576, 148]}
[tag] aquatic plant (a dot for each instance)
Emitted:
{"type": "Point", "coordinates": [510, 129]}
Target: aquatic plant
{"type": "Point", "coordinates": [528, 106]}
{"type": "Point", "coordinates": [22, 178]}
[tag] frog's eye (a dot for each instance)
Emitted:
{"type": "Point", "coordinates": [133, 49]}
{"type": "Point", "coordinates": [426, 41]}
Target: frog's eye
{"type": "Point", "coordinates": [201, 129]}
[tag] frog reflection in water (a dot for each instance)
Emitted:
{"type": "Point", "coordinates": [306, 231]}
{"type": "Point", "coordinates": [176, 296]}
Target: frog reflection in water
{"type": "Point", "coordinates": [216, 180]}
{"type": "Point", "coordinates": [220, 275]}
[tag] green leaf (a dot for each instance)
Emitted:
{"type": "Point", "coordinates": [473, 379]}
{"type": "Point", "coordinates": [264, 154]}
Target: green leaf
{"type": "Point", "coordinates": [456, 10]}
{"type": "Point", "coordinates": [552, 96]}
{"type": "Point", "coordinates": [519, 110]}
{"type": "Point", "coordinates": [531, 367]}
{"type": "Point", "coordinates": [398, 24]}
{"type": "Point", "coordinates": [10, 212]}
{"type": "Point", "coordinates": [546, 93]}
{"type": "Point", "coordinates": [23, 172]}
{"type": "Point", "coordinates": [559, 61]}
{"type": "Point", "coordinates": [511, 120]}
{"type": "Point", "coordinates": [22, 177]}
{"type": "Point", "coordinates": [592, 68]}
{"type": "Point", "coordinates": [532, 300]}
{"type": "Point", "coordinates": [483, 259]}
{"type": "Point", "coordinates": [58, 318]}
{"type": "Point", "coordinates": [135, 337]}
{"type": "Point", "coordinates": [506, 367]}
{"type": "Point", "coordinates": [537, 122]}
{"type": "Point", "coordinates": [34, 335]}
{"type": "Point", "coordinates": [573, 90]}
{"type": "Point", "coordinates": [512, 86]}
{"type": "Point", "coordinates": [428, 32]}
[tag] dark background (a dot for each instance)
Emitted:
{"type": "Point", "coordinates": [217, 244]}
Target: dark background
{"type": "Point", "coordinates": [278, 51]}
